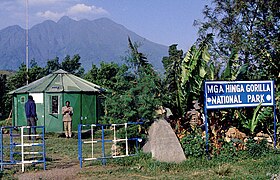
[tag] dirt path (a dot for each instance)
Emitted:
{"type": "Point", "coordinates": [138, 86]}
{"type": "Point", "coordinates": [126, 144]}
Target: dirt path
{"type": "Point", "coordinates": [63, 171]}
{"type": "Point", "coordinates": [57, 173]}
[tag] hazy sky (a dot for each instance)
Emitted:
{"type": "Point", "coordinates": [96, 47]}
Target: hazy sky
{"type": "Point", "coordinates": [162, 21]}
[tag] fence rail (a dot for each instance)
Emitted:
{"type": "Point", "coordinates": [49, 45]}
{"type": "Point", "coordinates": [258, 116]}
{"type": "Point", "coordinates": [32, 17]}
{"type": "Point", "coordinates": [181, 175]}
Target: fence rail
{"type": "Point", "coordinates": [24, 145]}
{"type": "Point", "coordinates": [94, 141]}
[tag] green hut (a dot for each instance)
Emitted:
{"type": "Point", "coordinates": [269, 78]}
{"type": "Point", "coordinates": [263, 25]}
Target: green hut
{"type": "Point", "coordinates": [50, 94]}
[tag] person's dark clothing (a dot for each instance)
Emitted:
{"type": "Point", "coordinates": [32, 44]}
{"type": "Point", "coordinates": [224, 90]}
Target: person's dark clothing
{"type": "Point", "coordinates": [30, 109]}
{"type": "Point", "coordinates": [31, 116]}
{"type": "Point", "coordinates": [31, 122]}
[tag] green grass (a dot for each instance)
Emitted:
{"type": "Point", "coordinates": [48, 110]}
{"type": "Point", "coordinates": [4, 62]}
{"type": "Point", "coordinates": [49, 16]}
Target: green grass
{"type": "Point", "coordinates": [144, 167]}
{"type": "Point", "coordinates": [62, 153]}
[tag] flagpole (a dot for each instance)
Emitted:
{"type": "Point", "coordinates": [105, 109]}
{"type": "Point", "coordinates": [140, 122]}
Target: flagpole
{"type": "Point", "coordinates": [26, 40]}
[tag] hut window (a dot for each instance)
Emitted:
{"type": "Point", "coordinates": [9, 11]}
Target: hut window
{"type": "Point", "coordinates": [22, 99]}
{"type": "Point", "coordinates": [54, 104]}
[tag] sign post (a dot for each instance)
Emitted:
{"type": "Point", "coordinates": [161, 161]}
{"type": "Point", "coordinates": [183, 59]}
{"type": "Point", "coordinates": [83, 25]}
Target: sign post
{"type": "Point", "coordinates": [234, 94]}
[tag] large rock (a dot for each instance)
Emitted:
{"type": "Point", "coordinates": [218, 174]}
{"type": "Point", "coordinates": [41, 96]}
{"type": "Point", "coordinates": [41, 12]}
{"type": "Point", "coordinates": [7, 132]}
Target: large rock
{"type": "Point", "coordinates": [163, 143]}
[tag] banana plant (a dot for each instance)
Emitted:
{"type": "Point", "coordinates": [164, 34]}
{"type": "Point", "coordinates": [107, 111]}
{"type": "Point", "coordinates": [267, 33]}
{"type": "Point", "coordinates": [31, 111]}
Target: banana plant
{"type": "Point", "coordinates": [233, 70]}
{"type": "Point", "coordinates": [251, 124]}
{"type": "Point", "coordinates": [193, 72]}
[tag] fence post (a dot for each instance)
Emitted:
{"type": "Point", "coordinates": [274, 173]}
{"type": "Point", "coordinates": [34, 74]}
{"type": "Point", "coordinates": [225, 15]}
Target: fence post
{"type": "Point", "coordinates": [103, 147]}
{"type": "Point", "coordinates": [11, 145]}
{"type": "Point", "coordinates": [126, 140]}
{"type": "Point", "coordinates": [22, 150]}
{"type": "Point", "coordinates": [44, 147]}
{"type": "Point", "coordinates": [275, 115]}
{"type": "Point", "coordinates": [80, 145]}
{"type": "Point", "coordinates": [1, 141]}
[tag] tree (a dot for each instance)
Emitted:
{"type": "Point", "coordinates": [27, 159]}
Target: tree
{"type": "Point", "coordinates": [246, 43]}
{"type": "Point", "coordinates": [52, 65]}
{"type": "Point", "coordinates": [184, 76]}
{"type": "Point", "coordinates": [110, 76]}
{"type": "Point", "coordinates": [172, 66]}
{"type": "Point", "coordinates": [133, 89]}
{"type": "Point", "coordinates": [35, 72]}
{"type": "Point", "coordinates": [249, 27]}
{"type": "Point", "coordinates": [146, 89]}
{"type": "Point", "coordinates": [18, 79]}
{"type": "Point", "coordinates": [3, 89]}
{"type": "Point", "coordinates": [73, 65]}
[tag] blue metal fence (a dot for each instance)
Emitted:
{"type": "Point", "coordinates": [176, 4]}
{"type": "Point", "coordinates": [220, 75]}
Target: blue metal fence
{"type": "Point", "coordinates": [93, 141]}
{"type": "Point", "coordinates": [19, 142]}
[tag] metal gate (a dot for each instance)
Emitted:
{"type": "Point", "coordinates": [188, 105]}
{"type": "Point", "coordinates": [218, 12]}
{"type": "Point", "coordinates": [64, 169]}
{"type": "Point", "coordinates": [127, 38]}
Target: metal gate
{"type": "Point", "coordinates": [21, 148]}
{"type": "Point", "coordinates": [91, 144]}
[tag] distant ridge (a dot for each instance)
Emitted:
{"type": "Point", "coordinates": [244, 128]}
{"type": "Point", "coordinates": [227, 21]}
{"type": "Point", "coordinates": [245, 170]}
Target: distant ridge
{"type": "Point", "coordinates": [95, 41]}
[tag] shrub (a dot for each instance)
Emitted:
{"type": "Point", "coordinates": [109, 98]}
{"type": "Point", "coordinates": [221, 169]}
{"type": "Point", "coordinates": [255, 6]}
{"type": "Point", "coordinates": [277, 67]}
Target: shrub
{"type": "Point", "coordinates": [257, 149]}
{"type": "Point", "coordinates": [6, 122]}
{"type": "Point", "coordinates": [226, 153]}
{"type": "Point", "coordinates": [193, 144]}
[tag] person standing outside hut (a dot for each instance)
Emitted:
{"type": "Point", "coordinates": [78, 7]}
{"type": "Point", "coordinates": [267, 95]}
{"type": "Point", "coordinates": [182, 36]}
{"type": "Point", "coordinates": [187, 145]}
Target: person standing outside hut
{"type": "Point", "coordinates": [31, 116]}
{"type": "Point", "coordinates": [67, 112]}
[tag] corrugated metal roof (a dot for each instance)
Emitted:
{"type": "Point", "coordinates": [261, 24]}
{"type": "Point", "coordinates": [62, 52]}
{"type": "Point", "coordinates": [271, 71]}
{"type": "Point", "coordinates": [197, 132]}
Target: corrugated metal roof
{"type": "Point", "coordinates": [59, 81]}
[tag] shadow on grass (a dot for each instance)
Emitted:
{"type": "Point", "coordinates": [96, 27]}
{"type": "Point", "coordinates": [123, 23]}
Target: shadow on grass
{"type": "Point", "coordinates": [51, 159]}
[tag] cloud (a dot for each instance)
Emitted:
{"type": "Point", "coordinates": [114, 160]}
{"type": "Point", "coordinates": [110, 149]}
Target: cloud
{"type": "Point", "coordinates": [6, 5]}
{"type": "Point", "coordinates": [82, 8]}
{"type": "Point", "coordinates": [43, 2]}
{"type": "Point", "coordinates": [50, 15]}
{"type": "Point", "coordinates": [77, 11]}
{"type": "Point", "coordinates": [34, 2]}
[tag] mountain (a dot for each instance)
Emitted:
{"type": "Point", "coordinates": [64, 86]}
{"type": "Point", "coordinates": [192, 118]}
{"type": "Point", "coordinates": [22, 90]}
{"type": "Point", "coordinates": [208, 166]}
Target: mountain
{"type": "Point", "coordinates": [95, 41]}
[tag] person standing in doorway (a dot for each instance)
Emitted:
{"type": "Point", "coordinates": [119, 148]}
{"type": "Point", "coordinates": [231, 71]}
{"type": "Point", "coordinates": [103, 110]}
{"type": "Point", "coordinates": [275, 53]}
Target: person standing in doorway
{"type": "Point", "coordinates": [67, 112]}
{"type": "Point", "coordinates": [31, 116]}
